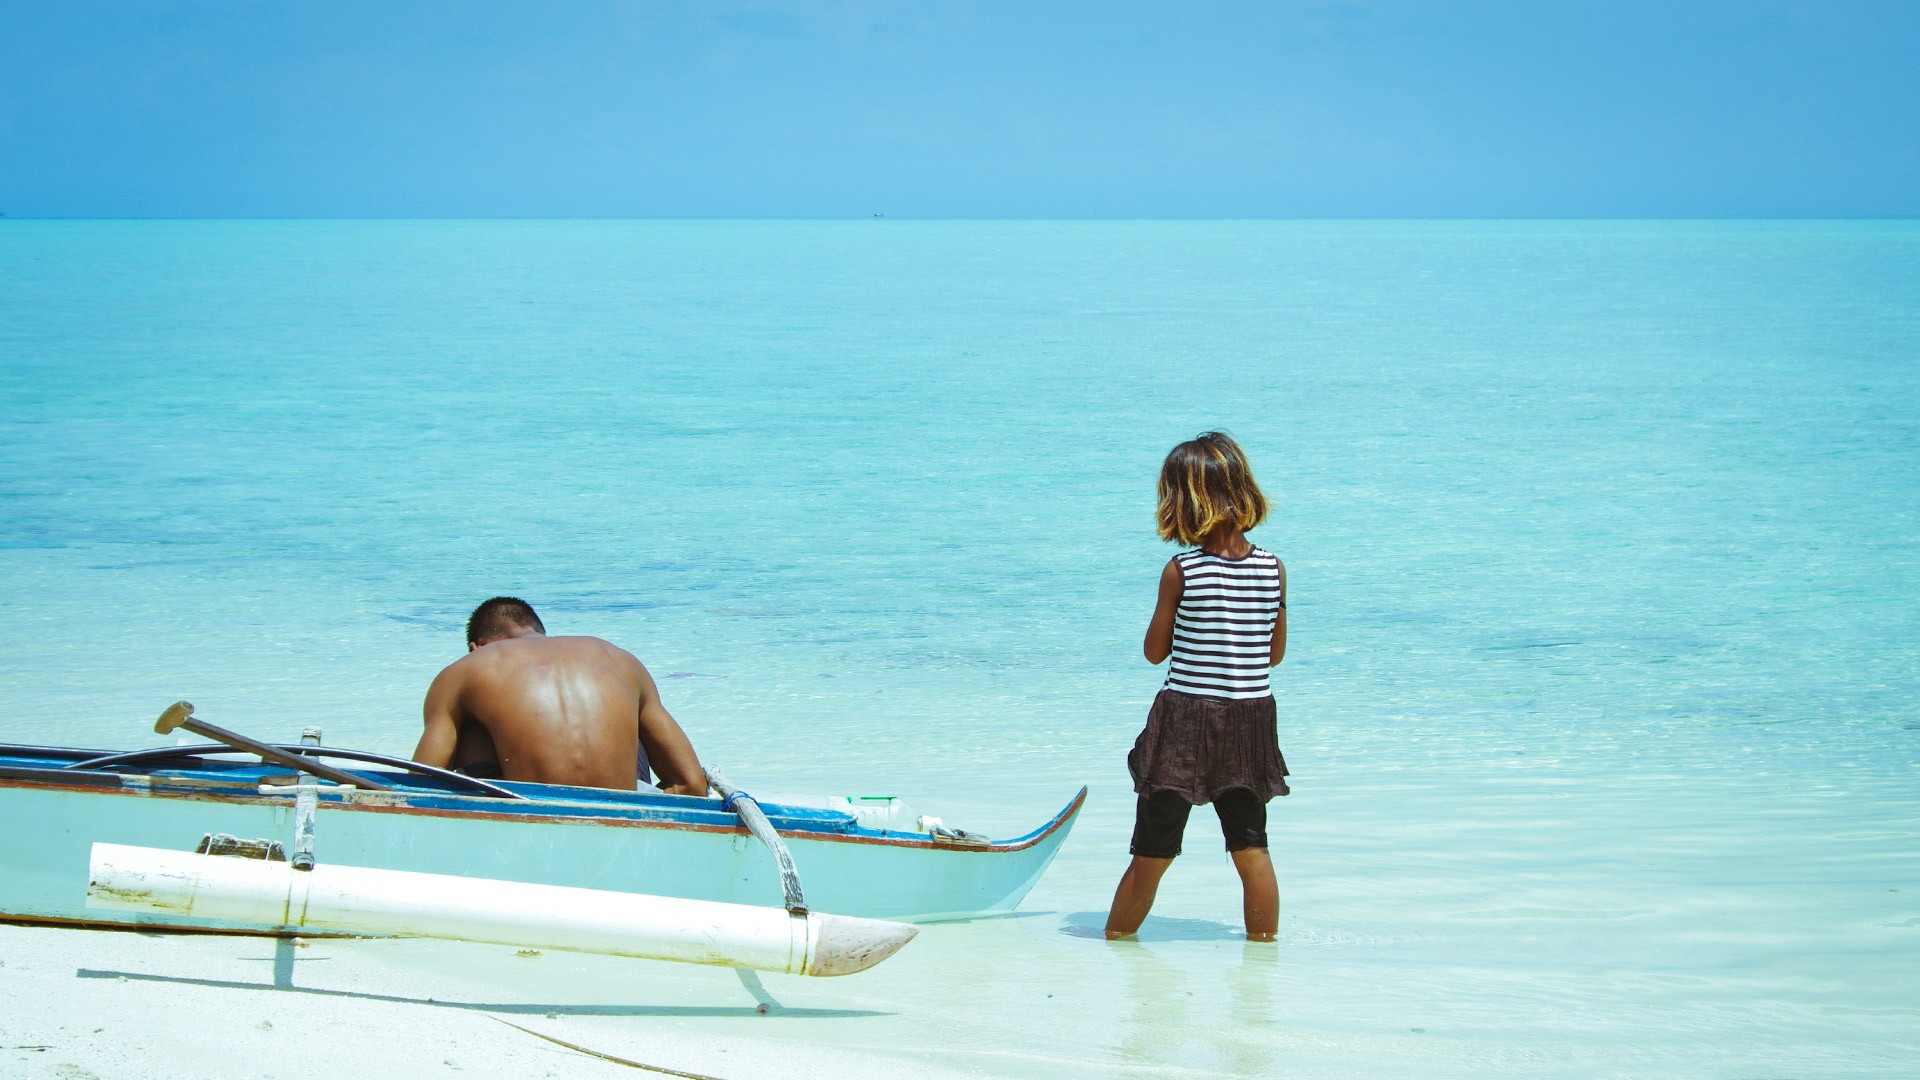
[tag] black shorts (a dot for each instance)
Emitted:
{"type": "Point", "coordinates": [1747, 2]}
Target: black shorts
{"type": "Point", "coordinates": [1160, 819]}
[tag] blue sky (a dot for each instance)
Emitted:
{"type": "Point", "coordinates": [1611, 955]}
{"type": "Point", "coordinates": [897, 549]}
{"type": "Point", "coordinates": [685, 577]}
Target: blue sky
{"type": "Point", "coordinates": [956, 108]}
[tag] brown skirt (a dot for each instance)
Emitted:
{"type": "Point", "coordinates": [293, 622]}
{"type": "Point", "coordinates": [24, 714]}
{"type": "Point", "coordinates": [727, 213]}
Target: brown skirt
{"type": "Point", "coordinates": [1198, 747]}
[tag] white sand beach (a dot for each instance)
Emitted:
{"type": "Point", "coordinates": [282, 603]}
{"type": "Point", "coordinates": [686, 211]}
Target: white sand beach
{"type": "Point", "coordinates": [98, 1003]}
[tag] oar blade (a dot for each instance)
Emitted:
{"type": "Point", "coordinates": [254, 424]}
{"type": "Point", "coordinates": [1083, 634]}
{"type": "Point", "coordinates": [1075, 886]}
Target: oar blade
{"type": "Point", "coordinates": [176, 714]}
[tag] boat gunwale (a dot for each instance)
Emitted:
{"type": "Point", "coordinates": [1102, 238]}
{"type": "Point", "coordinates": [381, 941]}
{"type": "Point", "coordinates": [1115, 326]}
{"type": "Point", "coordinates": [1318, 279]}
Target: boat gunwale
{"type": "Point", "coordinates": [566, 812]}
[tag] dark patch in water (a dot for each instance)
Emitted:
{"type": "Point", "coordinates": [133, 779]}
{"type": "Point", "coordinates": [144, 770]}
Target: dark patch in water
{"type": "Point", "coordinates": [606, 605]}
{"type": "Point", "coordinates": [431, 621]}
{"type": "Point", "coordinates": [148, 564]}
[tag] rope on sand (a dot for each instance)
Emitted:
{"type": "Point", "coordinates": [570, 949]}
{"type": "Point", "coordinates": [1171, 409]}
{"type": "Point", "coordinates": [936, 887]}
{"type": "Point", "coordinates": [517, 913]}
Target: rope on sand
{"type": "Point", "coordinates": [606, 1057]}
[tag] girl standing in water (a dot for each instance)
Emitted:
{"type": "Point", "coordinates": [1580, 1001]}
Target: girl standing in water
{"type": "Point", "coordinates": [1210, 737]}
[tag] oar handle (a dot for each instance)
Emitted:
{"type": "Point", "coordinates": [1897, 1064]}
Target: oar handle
{"type": "Point", "coordinates": [180, 715]}
{"type": "Point", "coordinates": [756, 822]}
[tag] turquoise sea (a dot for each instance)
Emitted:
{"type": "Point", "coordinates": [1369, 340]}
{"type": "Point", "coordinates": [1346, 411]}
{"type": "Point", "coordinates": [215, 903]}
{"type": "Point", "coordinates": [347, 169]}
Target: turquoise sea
{"type": "Point", "coordinates": [1603, 690]}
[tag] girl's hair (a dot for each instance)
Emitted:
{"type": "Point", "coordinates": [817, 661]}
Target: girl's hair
{"type": "Point", "coordinates": [1204, 484]}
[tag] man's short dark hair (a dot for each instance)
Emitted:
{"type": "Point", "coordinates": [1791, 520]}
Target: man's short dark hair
{"type": "Point", "coordinates": [501, 617]}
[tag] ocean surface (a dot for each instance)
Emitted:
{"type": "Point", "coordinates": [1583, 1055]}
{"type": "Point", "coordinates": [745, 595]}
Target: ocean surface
{"type": "Point", "coordinates": [1602, 695]}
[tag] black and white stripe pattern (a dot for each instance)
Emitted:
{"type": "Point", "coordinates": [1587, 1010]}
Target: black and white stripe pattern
{"type": "Point", "coordinates": [1223, 629]}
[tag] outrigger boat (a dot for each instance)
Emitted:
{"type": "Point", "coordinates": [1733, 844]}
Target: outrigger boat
{"type": "Point", "coordinates": [146, 838]}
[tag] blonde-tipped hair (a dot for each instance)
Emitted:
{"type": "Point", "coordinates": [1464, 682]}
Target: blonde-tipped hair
{"type": "Point", "coordinates": [1207, 483]}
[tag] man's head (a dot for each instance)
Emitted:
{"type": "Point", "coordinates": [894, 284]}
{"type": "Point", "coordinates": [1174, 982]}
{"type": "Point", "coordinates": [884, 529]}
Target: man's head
{"type": "Point", "coordinates": [499, 618]}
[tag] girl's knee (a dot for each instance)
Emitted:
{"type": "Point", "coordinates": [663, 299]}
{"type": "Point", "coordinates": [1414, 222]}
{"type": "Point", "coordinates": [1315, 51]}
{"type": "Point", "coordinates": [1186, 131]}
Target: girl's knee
{"type": "Point", "coordinates": [1253, 860]}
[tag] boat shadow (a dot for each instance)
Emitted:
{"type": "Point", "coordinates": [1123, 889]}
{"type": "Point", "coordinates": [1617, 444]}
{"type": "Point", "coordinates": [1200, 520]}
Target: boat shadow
{"type": "Point", "coordinates": [512, 1008]}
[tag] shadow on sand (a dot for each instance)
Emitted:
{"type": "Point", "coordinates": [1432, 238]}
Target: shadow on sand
{"type": "Point", "coordinates": [521, 1008]}
{"type": "Point", "coordinates": [1093, 924]}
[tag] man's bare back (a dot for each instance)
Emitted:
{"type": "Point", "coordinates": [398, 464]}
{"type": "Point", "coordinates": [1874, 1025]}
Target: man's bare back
{"type": "Point", "coordinates": [554, 710]}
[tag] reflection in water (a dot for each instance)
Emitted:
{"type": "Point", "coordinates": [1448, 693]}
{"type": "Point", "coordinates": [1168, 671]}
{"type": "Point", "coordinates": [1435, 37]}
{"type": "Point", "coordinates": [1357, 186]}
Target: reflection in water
{"type": "Point", "coordinates": [1160, 997]}
{"type": "Point", "coordinates": [1253, 1044]}
{"type": "Point", "coordinates": [1198, 1009]}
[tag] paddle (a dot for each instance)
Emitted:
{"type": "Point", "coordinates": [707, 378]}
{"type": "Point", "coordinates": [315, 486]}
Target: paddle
{"type": "Point", "coordinates": [755, 819]}
{"type": "Point", "coordinates": [180, 715]}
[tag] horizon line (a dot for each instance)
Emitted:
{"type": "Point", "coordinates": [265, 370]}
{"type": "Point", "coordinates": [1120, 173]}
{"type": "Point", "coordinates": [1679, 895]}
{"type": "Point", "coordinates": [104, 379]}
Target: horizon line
{"type": "Point", "coordinates": [877, 217]}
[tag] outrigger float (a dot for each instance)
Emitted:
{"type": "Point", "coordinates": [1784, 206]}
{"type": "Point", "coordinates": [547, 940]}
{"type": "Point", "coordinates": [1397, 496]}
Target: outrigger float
{"type": "Point", "coordinates": [199, 837]}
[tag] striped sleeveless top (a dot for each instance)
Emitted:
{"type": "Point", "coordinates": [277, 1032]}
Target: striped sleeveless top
{"type": "Point", "coordinates": [1223, 628]}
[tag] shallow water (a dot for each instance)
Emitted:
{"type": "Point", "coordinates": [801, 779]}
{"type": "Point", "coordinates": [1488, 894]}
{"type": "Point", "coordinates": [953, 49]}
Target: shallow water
{"type": "Point", "coordinates": [1602, 542]}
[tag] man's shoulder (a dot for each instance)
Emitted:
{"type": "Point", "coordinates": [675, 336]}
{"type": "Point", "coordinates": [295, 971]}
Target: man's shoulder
{"type": "Point", "coordinates": [501, 658]}
{"type": "Point", "coordinates": [580, 638]}
{"type": "Point", "coordinates": [584, 646]}
{"type": "Point", "coordinates": [453, 676]}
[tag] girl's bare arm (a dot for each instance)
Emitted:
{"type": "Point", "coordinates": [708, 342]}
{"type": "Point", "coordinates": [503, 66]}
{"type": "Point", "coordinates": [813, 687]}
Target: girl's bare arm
{"type": "Point", "coordinates": [1277, 651]}
{"type": "Point", "coordinates": [1159, 643]}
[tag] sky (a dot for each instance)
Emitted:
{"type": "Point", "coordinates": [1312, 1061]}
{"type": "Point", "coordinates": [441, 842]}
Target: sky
{"type": "Point", "coordinates": [959, 108]}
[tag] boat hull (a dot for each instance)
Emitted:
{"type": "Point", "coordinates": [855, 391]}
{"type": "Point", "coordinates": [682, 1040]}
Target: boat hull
{"type": "Point", "coordinates": [665, 845]}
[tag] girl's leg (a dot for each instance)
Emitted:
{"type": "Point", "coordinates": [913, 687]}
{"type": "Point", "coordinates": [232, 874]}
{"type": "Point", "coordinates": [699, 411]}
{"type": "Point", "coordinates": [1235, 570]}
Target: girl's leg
{"type": "Point", "coordinates": [1260, 903]}
{"type": "Point", "coordinates": [1243, 820]}
{"type": "Point", "coordinates": [1134, 898]}
{"type": "Point", "coordinates": [1157, 824]}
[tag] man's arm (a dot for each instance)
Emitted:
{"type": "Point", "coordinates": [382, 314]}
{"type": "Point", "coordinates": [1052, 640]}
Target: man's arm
{"type": "Point", "coordinates": [443, 726]}
{"type": "Point", "coordinates": [669, 750]}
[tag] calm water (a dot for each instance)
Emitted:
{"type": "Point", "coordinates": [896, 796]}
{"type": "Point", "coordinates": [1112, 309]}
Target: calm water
{"type": "Point", "coordinates": [1604, 542]}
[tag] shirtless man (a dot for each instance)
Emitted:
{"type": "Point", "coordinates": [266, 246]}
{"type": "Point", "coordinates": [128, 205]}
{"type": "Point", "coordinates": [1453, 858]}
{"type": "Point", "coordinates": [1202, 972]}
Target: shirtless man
{"type": "Point", "coordinates": [552, 710]}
